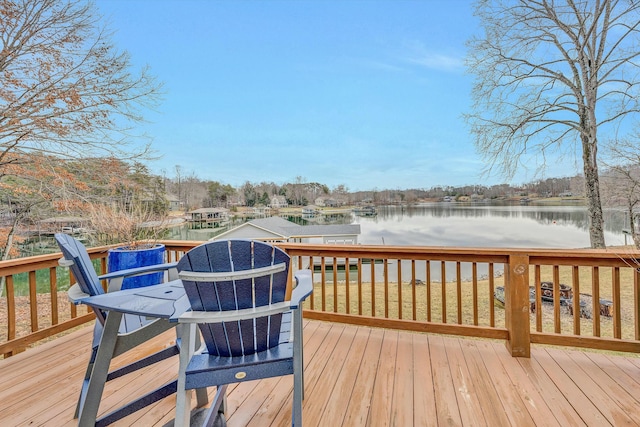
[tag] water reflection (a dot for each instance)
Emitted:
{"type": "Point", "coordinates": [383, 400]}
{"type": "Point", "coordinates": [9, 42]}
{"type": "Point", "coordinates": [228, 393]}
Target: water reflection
{"type": "Point", "coordinates": [450, 224]}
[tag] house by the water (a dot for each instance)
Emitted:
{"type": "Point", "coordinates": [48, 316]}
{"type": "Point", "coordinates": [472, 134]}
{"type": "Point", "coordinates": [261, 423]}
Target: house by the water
{"type": "Point", "coordinates": [276, 229]}
{"type": "Point", "coordinates": [209, 217]}
{"type": "Point", "coordinates": [64, 224]}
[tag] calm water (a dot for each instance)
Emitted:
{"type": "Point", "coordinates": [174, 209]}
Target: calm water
{"type": "Point", "coordinates": [452, 224]}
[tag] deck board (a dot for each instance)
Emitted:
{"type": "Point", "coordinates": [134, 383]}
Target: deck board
{"type": "Point", "coordinates": [360, 398]}
{"type": "Point", "coordinates": [345, 385]}
{"type": "Point", "coordinates": [532, 397]}
{"type": "Point", "coordinates": [424, 402]}
{"type": "Point", "coordinates": [380, 412]}
{"type": "Point", "coordinates": [447, 412]}
{"type": "Point", "coordinates": [401, 404]}
{"type": "Point", "coordinates": [571, 392]}
{"type": "Point", "coordinates": [356, 376]}
{"type": "Point", "coordinates": [602, 381]}
{"type": "Point", "coordinates": [486, 393]}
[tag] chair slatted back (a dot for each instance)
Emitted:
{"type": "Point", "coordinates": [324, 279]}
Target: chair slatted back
{"type": "Point", "coordinates": [82, 267]}
{"type": "Point", "coordinates": [245, 336]}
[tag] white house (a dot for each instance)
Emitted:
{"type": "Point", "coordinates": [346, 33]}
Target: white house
{"type": "Point", "coordinates": [276, 229]}
{"type": "Point", "coordinates": [278, 202]}
{"type": "Point", "coordinates": [310, 210]}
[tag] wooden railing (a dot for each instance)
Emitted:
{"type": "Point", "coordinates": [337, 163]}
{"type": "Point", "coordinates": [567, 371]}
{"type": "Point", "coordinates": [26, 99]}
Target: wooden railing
{"type": "Point", "coordinates": [451, 291]}
{"type": "Point", "coordinates": [425, 289]}
{"type": "Point", "coordinates": [42, 310]}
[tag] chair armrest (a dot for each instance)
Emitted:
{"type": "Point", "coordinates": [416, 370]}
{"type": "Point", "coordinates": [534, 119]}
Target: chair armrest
{"type": "Point", "coordinates": [116, 278]}
{"type": "Point", "coordinates": [304, 287]}
{"type": "Point", "coordinates": [76, 295]}
{"type": "Point", "coordinates": [138, 271]}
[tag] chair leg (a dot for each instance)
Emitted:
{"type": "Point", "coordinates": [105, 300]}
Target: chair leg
{"type": "Point", "coordinates": [89, 409]}
{"type": "Point", "coordinates": [298, 370]}
{"type": "Point", "coordinates": [218, 407]}
{"type": "Point", "coordinates": [202, 398]}
{"type": "Point", "coordinates": [85, 382]}
{"type": "Point", "coordinates": [187, 334]}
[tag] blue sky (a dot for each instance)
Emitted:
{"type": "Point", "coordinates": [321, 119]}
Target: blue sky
{"type": "Point", "coordinates": [369, 94]}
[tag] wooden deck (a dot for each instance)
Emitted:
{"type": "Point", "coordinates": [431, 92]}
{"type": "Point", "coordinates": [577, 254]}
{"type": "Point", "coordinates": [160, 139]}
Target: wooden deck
{"type": "Point", "coordinates": [358, 376]}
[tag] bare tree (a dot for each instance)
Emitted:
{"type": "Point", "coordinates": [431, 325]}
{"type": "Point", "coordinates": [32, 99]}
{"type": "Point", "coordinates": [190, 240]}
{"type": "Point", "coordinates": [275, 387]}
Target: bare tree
{"type": "Point", "coordinates": [65, 90]}
{"type": "Point", "coordinates": [550, 75]}
{"type": "Point", "coordinates": [622, 181]}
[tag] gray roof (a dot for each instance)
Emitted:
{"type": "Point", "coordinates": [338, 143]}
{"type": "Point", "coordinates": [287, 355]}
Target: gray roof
{"type": "Point", "coordinates": [276, 224]}
{"type": "Point", "coordinates": [327, 230]}
{"type": "Point", "coordinates": [208, 210]}
{"type": "Point", "coordinates": [287, 229]}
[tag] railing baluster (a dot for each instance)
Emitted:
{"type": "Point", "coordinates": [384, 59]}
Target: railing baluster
{"type": "Point", "coordinates": [556, 299]}
{"type": "Point", "coordinates": [347, 285]}
{"type": "Point", "coordinates": [617, 301]}
{"type": "Point", "coordinates": [386, 288]}
{"type": "Point", "coordinates": [538, 279]}
{"type": "Point", "coordinates": [443, 276]}
{"type": "Point", "coordinates": [103, 270]}
{"type": "Point", "coordinates": [53, 289]}
{"type": "Point", "coordinates": [413, 289]}
{"type": "Point", "coordinates": [636, 302]}
{"type": "Point", "coordinates": [33, 301]}
{"type": "Point", "coordinates": [459, 291]}
{"type": "Point", "coordinates": [373, 287]}
{"type": "Point", "coordinates": [360, 286]}
{"type": "Point", "coordinates": [314, 294]}
{"type": "Point", "coordinates": [428, 284]}
{"type": "Point", "coordinates": [595, 292]}
{"type": "Point", "coordinates": [72, 307]}
{"type": "Point", "coordinates": [11, 307]}
{"type": "Point", "coordinates": [335, 284]}
{"type": "Point", "coordinates": [577, 311]}
{"type": "Point", "coordinates": [323, 277]}
{"type": "Point", "coordinates": [474, 281]}
{"type": "Point", "coordinates": [399, 289]}
{"type": "Point", "coordinates": [492, 304]}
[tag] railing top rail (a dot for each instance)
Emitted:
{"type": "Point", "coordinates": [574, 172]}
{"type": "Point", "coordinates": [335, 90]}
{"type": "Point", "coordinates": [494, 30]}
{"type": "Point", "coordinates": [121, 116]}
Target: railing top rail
{"type": "Point", "coordinates": [616, 257]}
{"type": "Point", "coordinates": [587, 257]}
{"type": "Point", "coordinates": [611, 256]}
{"type": "Point", "coordinates": [21, 265]}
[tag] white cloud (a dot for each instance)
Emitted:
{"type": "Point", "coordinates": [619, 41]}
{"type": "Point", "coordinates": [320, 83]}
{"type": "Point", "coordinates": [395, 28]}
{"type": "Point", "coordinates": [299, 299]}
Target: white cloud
{"type": "Point", "coordinates": [416, 52]}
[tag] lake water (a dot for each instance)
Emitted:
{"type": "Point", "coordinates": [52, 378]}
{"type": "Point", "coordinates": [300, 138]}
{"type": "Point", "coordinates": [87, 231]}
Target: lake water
{"type": "Point", "coordinates": [466, 225]}
{"type": "Point", "coordinates": [462, 225]}
{"type": "Point", "coordinates": [451, 224]}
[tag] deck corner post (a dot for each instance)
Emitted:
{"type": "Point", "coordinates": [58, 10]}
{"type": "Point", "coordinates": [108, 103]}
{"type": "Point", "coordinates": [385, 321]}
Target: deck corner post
{"type": "Point", "coordinates": [517, 305]}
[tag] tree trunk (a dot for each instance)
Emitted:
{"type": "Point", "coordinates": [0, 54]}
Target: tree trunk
{"type": "Point", "coordinates": [7, 249]}
{"type": "Point", "coordinates": [592, 188]}
{"type": "Point", "coordinates": [632, 226]}
{"type": "Point", "coordinates": [594, 206]}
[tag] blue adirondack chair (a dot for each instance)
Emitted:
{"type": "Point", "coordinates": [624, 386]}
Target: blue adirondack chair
{"type": "Point", "coordinates": [238, 295]}
{"type": "Point", "coordinates": [134, 330]}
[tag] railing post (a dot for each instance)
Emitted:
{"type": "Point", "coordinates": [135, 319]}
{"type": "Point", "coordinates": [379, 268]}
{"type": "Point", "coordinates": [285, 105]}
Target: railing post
{"type": "Point", "coordinates": [517, 305]}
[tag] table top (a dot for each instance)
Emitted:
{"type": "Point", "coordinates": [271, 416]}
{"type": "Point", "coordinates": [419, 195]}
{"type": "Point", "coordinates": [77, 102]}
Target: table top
{"type": "Point", "coordinates": [166, 300]}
